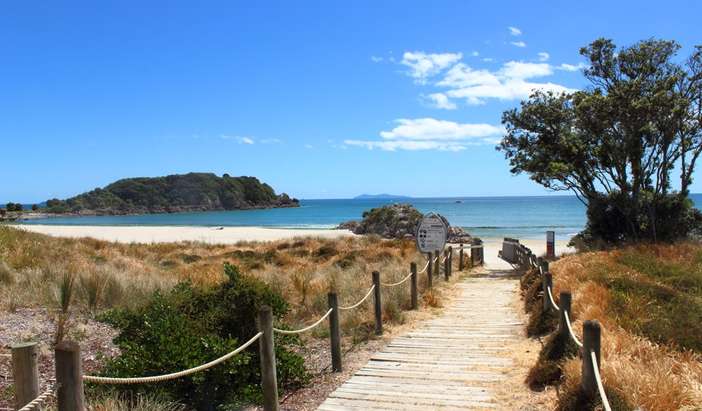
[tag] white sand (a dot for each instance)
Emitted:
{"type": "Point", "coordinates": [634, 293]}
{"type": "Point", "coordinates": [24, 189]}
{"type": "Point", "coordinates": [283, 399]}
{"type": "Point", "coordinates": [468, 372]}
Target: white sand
{"type": "Point", "coordinates": [538, 247]}
{"type": "Point", "coordinates": [167, 234]}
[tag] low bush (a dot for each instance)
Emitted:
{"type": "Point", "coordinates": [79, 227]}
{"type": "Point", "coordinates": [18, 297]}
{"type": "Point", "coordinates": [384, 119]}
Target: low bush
{"type": "Point", "coordinates": [189, 326]}
{"type": "Point", "coordinates": [573, 399]}
{"type": "Point", "coordinates": [547, 370]}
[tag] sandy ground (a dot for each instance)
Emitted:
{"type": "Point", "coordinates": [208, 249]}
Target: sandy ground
{"type": "Point", "coordinates": [164, 234]}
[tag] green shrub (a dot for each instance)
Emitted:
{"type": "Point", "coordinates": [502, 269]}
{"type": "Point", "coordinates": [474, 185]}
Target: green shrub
{"type": "Point", "coordinates": [190, 326]}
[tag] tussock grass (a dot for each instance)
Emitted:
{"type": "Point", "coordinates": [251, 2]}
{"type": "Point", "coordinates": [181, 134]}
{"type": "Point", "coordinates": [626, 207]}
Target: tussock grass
{"type": "Point", "coordinates": [647, 300]}
{"type": "Point", "coordinates": [110, 275]}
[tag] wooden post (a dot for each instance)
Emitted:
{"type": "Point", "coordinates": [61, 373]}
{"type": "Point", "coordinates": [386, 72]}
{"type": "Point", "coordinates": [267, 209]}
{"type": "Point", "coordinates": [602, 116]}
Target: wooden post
{"type": "Point", "coordinates": [564, 303]}
{"type": "Point", "coordinates": [447, 270]}
{"type": "Point", "coordinates": [591, 342]}
{"type": "Point", "coordinates": [25, 372]}
{"type": "Point", "coordinates": [460, 258]}
{"type": "Point", "coordinates": [438, 263]}
{"type": "Point", "coordinates": [413, 286]}
{"type": "Point", "coordinates": [334, 332]}
{"type": "Point", "coordinates": [450, 260]}
{"type": "Point", "coordinates": [69, 377]}
{"type": "Point", "coordinates": [269, 381]}
{"type": "Point", "coordinates": [430, 270]}
{"type": "Point", "coordinates": [378, 305]}
{"type": "Point", "coordinates": [547, 282]}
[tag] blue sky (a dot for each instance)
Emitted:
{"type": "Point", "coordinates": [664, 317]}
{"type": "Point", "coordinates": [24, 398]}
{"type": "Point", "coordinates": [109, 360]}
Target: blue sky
{"type": "Point", "coordinates": [319, 99]}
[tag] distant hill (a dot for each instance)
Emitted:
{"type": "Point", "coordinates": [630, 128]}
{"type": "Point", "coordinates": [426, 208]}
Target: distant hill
{"type": "Point", "coordinates": [174, 193]}
{"type": "Point", "coordinates": [380, 197]}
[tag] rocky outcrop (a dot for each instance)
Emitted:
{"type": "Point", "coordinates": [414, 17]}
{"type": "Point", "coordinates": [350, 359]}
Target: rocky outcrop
{"type": "Point", "coordinates": [398, 221]}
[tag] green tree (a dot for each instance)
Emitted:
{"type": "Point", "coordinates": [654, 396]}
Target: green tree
{"type": "Point", "coordinates": [35, 207]}
{"type": "Point", "coordinates": [616, 143]}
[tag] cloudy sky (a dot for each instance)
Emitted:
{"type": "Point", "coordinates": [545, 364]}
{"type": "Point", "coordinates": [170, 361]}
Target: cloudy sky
{"type": "Point", "coordinates": [320, 99]}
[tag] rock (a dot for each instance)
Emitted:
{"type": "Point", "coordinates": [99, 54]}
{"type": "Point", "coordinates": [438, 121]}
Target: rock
{"type": "Point", "coordinates": [459, 235]}
{"type": "Point", "coordinates": [349, 225]}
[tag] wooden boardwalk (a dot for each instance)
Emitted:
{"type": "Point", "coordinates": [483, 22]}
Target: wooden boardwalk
{"type": "Point", "coordinates": [451, 362]}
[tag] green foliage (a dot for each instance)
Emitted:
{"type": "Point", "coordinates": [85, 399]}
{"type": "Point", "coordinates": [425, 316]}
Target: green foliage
{"type": "Point", "coordinates": [615, 144]}
{"type": "Point", "coordinates": [190, 326]}
{"type": "Point", "coordinates": [13, 207]}
{"type": "Point", "coordinates": [186, 192]}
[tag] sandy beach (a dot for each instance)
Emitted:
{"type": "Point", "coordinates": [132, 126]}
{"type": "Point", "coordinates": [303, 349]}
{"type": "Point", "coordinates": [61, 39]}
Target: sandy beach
{"type": "Point", "coordinates": [169, 234]}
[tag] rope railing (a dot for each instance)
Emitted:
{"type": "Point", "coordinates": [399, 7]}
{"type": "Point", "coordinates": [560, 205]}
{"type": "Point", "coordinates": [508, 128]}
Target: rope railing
{"type": "Point", "coordinates": [553, 302]}
{"type": "Point", "coordinates": [591, 380]}
{"type": "Point", "coordinates": [598, 379]}
{"type": "Point", "coordinates": [570, 329]}
{"type": "Point", "coordinates": [171, 376]}
{"type": "Point", "coordinates": [36, 403]}
{"type": "Point", "coordinates": [351, 307]}
{"type": "Point", "coordinates": [397, 283]}
{"type": "Point", "coordinates": [424, 269]}
{"type": "Point", "coordinates": [309, 327]}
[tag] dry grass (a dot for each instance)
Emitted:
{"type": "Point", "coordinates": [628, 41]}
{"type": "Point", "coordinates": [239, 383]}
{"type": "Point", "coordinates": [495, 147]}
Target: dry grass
{"type": "Point", "coordinates": [32, 267]}
{"type": "Point", "coordinates": [647, 374]}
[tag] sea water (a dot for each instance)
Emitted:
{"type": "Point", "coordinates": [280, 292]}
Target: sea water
{"type": "Point", "coordinates": [485, 217]}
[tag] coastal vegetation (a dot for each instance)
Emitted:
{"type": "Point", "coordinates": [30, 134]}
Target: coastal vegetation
{"type": "Point", "coordinates": [174, 193]}
{"type": "Point", "coordinates": [616, 143]}
{"type": "Point", "coordinates": [648, 298]}
{"type": "Point", "coordinates": [195, 296]}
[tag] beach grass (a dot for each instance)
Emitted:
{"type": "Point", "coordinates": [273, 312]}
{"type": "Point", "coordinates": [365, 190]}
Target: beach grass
{"type": "Point", "coordinates": [648, 300]}
{"type": "Point", "coordinates": [107, 275]}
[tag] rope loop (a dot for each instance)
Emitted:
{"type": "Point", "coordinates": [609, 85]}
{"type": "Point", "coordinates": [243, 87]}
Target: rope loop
{"type": "Point", "coordinates": [171, 376]}
{"type": "Point", "coordinates": [397, 283]}
{"type": "Point", "coordinates": [570, 329]}
{"type": "Point", "coordinates": [351, 307]}
{"type": "Point", "coordinates": [309, 327]}
{"type": "Point", "coordinates": [553, 302]}
{"type": "Point", "coordinates": [36, 403]}
{"type": "Point", "coordinates": [598, 379]}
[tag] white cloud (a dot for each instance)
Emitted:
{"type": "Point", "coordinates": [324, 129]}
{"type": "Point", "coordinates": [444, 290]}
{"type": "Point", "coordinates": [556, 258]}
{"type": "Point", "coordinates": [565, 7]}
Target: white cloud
{"type": "Point", "coordinates": [433, 129]}
{"type": "Point", "coordinates": [571, 67]}
{"type": "Point", "coordinates": [440, 100]}
{"type": "Point", "coordinates": [376, 59]}
{"type": "Point", "coordinates": [543, 56]}
{"type": "Point", "coordinates": [431, 134]}
{"type": "Point", "coordinates": [475, 54]}
{"type": "Point", "coordinates": [518, 43]}
{"type": "Point", "coordinates": [488, 59]}
{"type": "Point", "coordinates": [245, 140]}
{"type": "Point", "coordinates": [508, 83]}
{"type": "Point", "coordinates": [518, 69]}
{"type": "Point", "coordinates": [308, 146]}
{"type": "Point", "coordinates": [514, 31]}
{"type": "Point", "coordinates": [424, 65]}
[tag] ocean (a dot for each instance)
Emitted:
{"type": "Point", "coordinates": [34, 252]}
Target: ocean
{"type": "Point", "coordinates": [485, 217]}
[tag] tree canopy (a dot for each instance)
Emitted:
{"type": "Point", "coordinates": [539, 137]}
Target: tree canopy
{"type": "Point", "coordinates": [617, 143]}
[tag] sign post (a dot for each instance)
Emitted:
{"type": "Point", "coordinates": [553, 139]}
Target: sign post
{"type": "Point", "coordinates": [550, 244]}
{"type": "Point", "coordinates": [431, 234]}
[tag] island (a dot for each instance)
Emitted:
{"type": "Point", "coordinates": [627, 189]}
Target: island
{"type": "Point", "coordinates": [172, 194]}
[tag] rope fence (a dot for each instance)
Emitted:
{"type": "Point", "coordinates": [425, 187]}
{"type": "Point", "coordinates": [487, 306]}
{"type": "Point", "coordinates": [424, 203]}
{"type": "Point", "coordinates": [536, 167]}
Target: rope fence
{"type": "Point", "coordinates": [69, 390]}
{"type": "Point", "coordinates": [399, 282]}
{"type": "Point", "coordinates": [591, 381]}
{"type": "Point", "coordinates": [36, 403]}
{"type": "Point", "coordinates": [309, 327]}
{"type": "Point", "coordinates": [351, 307]}
{"type": "Point", "coordinates": [174, 375]}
